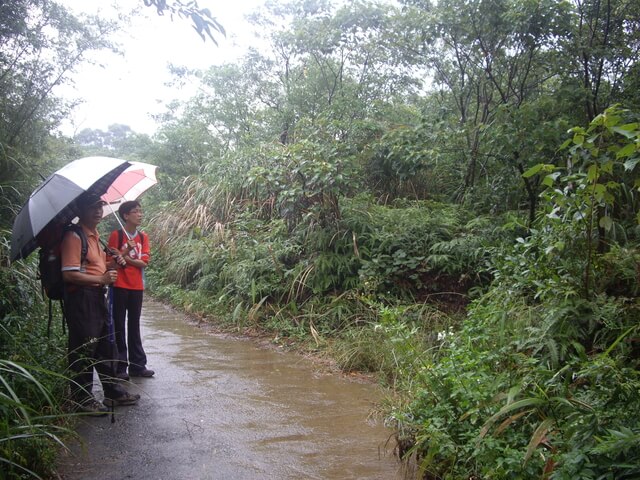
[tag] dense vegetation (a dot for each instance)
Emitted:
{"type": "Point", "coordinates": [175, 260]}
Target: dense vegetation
{"type": "Point", "coordinates": [445, 193]}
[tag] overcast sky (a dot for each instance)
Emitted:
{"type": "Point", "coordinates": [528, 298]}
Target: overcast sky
{"type": "Point", "coordinates": [128, 89]}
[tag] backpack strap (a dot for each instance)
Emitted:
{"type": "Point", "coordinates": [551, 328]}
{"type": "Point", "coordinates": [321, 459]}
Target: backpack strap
{"type": "Point", "coordinates": [84, 248]}
{"type": "Point", "coordinates": [64, 327]}
{"type": "Point", "coordinates": [51, 317]}
{"type": "Point", "coordinates": [83, 242]}
{"type": "Point", "coordinates": [64, 315]}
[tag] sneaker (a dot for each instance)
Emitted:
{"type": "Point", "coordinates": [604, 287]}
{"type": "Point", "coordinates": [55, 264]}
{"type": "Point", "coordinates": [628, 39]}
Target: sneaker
{"type": "Point", "coordinates": [145, 372]}
{"type": "Point", "coordinates": [94, 408]}
{"type": "Point", "coordinates": [125, 399]}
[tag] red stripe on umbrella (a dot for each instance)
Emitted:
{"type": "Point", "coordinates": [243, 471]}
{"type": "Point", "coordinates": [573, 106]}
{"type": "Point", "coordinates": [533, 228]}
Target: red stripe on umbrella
{"type": "Point", "coordinates": [129, 185]}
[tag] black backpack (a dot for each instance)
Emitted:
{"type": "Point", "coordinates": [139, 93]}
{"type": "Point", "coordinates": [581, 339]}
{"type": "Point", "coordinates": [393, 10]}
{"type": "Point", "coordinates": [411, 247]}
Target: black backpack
{"type": "Point", "coordinates": [50, 268]}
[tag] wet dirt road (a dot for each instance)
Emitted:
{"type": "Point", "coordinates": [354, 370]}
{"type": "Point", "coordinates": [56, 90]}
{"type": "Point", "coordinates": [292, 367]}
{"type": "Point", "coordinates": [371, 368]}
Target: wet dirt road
{"type": "Point", "coordinates": [222, 408]}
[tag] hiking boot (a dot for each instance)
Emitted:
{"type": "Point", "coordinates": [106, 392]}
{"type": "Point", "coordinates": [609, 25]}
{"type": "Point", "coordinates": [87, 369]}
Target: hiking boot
{"type": "Point", "coordinates": [145, 372]}
{"type": "Point", "coordinates": [93, 407]}
{"type": "Point", "coordinates": [124, 399]}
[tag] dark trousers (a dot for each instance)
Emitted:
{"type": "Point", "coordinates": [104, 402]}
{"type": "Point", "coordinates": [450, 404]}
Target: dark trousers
{"type": "Point", "coordinates": [127, 306]}
{"type": "Point", "coordinates": [89, 342]}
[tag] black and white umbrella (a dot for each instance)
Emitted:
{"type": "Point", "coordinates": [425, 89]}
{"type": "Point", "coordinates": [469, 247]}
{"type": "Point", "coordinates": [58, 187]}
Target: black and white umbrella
{"type": "Point", "coordinates": [54, 202]}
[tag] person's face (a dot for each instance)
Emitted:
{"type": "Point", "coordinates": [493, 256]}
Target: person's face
{"type": "Point", "coordinates": [92, 215]}
{"type": "Point", "coordinates": [134, 216]}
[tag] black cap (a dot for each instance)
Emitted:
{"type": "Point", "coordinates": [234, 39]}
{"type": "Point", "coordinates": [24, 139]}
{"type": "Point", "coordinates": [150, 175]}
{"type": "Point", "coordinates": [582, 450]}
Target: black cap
{"type": "Point", "coordinates": [90, 199]}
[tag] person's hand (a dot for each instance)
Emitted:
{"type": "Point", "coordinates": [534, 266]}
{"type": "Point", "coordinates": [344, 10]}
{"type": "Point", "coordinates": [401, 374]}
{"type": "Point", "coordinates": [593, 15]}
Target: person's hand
{"type": "Point", "coordinates": [120, 260]}
{"type": "Point", "coordinates": [131, 243]}
{"type": "Point", "coordinates": [109, 277]}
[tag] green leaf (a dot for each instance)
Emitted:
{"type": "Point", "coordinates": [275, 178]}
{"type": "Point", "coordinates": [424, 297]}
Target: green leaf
{"type": "Point", "coordinates": [533, 170]}
{"type": "Point", "coordinates": [548, 180]}
{"type": "Point", "coordinates": [592, 139]}
{"type": "Point", "coordinates": [626, 131]}
{"type": "Point", "coordinates": [607, 166]}
{"type": "Point", "coordinates": [626, 151]}
{"type": "Point", "coordinates": [599, 191]}
{"type": "Point", "coordinates": [606, 223]}
{"type": "Point", "coordinates": [630, 164]}
{"type": "Point", "coordinates": [565, 144]}
{"type": "Point", "coordinates": [611, 119]}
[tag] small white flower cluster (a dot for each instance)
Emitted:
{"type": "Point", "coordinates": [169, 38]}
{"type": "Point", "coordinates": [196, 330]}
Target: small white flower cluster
{"type": "Point", "coordinates": [445, 333]}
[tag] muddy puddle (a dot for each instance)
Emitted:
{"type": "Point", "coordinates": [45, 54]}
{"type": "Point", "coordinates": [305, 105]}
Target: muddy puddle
{"type": "Point", "coordinates": [222, 408]}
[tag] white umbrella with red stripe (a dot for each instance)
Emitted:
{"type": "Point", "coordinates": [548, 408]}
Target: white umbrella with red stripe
{"type": "Point", "coordinates": [129, 185]}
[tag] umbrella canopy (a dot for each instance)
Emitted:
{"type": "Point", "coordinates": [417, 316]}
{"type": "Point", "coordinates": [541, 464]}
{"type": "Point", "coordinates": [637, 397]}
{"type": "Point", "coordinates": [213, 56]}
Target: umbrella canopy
{"type": "Point", "coordinates": [129, 185]}
{"type": "Point", "coordinates": [53, 202]}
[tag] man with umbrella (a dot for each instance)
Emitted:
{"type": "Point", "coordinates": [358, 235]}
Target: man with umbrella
{"type": "Point", "coordinates": [87, 313]}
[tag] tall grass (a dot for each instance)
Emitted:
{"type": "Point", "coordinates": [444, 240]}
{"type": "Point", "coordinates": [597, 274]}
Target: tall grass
{"type": "Point", "coordinates": [32, 425]}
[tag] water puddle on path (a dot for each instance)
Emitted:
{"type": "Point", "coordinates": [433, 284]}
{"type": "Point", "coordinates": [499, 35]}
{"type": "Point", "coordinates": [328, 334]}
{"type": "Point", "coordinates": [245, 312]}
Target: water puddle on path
{"type": "Point", "coordinates": [221, 408]}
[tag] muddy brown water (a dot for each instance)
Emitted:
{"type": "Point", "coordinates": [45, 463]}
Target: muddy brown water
{"type": "Point", "coordinates": [224, 408]}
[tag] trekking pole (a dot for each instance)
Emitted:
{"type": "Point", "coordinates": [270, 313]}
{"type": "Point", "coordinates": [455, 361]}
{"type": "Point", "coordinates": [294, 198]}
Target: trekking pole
{"type": "Point", "coordinates": [112, 341]}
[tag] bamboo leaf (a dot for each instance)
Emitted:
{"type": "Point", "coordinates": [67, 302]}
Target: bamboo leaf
{"type": "Point", "coordinates": [527, 402]}
{"type": "Point", "coordinates": [314, 332]}
{"type": "Point", "coordinates": [538, 437]}
{"type": "Point", "coordinates": [618, 340]}
{"type": "Point", "coordinates": [508, 421]}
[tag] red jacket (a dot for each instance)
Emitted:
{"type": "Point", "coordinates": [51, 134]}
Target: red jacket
{"type": "Point", "coordinates": [131, 277]}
